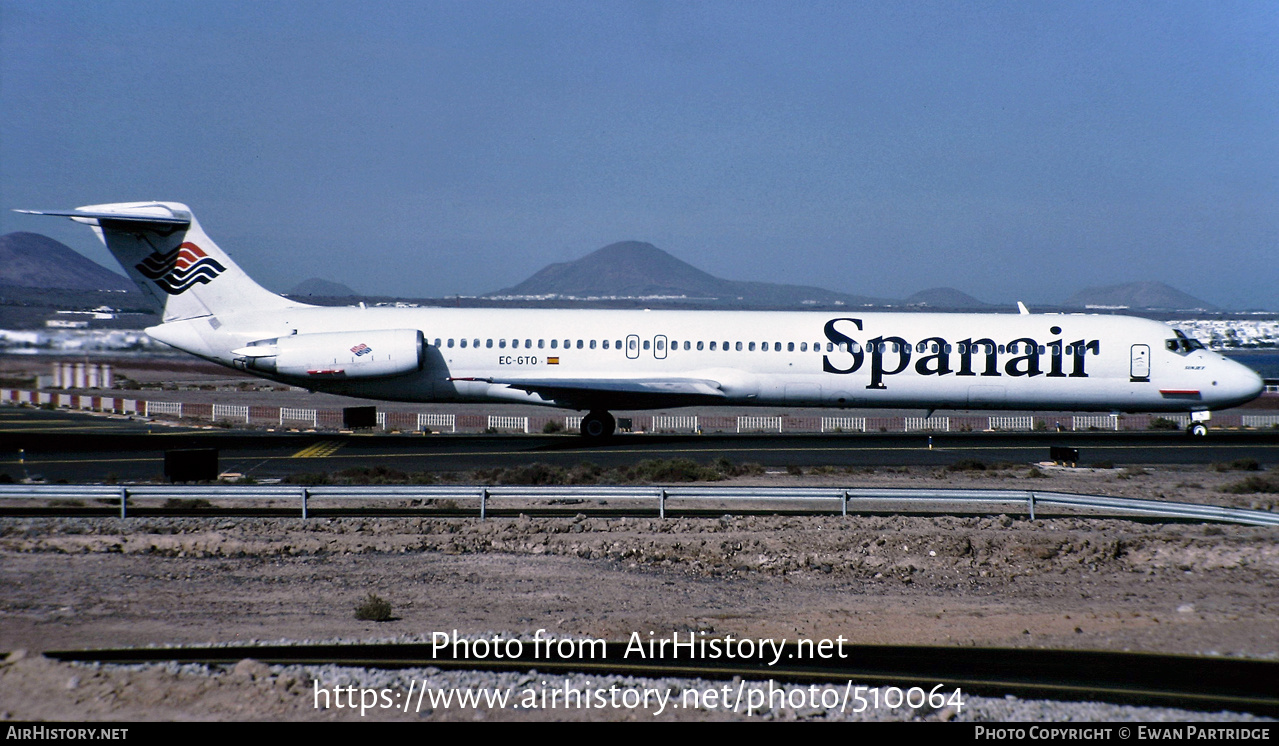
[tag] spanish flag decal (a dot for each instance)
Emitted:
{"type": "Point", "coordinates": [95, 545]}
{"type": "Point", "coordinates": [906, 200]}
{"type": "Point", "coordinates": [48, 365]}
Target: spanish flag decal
{"type": "Point", "coordinates": [552, 361]}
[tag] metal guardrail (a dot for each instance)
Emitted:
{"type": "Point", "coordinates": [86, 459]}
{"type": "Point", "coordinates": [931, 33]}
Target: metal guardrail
{"type": "Point", "coordinates": [1005, 500]}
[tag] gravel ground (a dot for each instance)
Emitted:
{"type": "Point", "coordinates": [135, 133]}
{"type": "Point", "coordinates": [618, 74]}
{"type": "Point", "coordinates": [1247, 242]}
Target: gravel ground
{"type": "Point", "coordinates": [998, 581]}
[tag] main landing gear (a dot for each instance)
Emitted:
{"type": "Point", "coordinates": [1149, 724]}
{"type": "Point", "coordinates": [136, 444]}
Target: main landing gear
{"type": "Point", "coordinates": [598, 425]}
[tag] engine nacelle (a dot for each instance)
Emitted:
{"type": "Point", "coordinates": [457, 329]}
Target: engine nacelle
{"type": "Point", "coordinates": [338, 355]}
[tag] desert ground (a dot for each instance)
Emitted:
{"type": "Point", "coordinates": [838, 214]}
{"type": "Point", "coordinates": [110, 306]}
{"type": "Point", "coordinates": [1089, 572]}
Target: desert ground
{"type": "Point", "coordinates": [1000, 581]}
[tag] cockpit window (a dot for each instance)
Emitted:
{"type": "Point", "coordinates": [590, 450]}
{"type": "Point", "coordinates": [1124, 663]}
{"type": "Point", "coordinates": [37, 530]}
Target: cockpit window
{"type": "Point", "coordinates": [1183, 345]}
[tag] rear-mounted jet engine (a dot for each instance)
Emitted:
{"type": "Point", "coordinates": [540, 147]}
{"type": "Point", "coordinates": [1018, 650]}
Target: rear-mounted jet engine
{"type": "Point", "coordinates": [348, 355]}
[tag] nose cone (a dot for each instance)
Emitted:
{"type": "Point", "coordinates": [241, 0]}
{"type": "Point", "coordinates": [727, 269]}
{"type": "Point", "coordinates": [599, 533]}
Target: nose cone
{"type": "Point", "coordinates": [1240, 383]}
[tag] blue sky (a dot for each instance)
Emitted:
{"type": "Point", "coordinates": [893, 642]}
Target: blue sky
{"type": "Point", "coordinates": [1013, 150]}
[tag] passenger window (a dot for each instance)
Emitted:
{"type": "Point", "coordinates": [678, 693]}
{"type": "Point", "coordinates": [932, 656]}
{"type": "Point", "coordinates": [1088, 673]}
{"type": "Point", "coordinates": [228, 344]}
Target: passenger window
{"type": "Point", "coordinates": [568, 343]}
{"type": "Point", "coordinates": [632, 344]}
{"type": "Point", "coordinates": [790, 346]}
{"type": "Point", "coordinates": [686, 345]}
{"type": "Point", "coordinates": [712, 346]}
{"type": "Point", "coordinates": [501, 343]}
{"type": "Point", "coordinates": [803, 347]}
{"type": "Point", "coordinates": [699, 345]}
{"type": "Point", "coordinates": [619, 344]}
{"type": "Point", "coordinates": [592, 344]}
{"type": "Point", "coordinates": [554, 343]}
{"type": "Point", "coordinates": [1001, 349]}
{"type": "Point", "coordinates": [464, 343]}
{"type": "Point", "coordinates": [661, 344]}
{"type": "Point", "coordinates": [541, 343]}
{"type": "Point", "coordinates": [646, 344]}
{"type": "Point", "coordinates": [579, 344]}
{"type": "Point", "coordinates": [488, 343]}
{"type": "Point", "coordinates": [1041, 349]}
{"type": "Point", "coordinates": [948, 349]}
{"type": "Point", "coordinates": [606, 344]}
{"type": "Point", "coordinates": [751, 347]}
{"type": "Point", "coordinates": [739, 346]}
{"type": "Point", "coordinates": [450, 342]}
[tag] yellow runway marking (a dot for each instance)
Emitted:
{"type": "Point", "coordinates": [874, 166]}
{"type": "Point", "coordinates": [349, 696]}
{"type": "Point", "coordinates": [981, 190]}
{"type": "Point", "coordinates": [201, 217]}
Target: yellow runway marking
{"type": "Point", "coordinates": [319, 450]}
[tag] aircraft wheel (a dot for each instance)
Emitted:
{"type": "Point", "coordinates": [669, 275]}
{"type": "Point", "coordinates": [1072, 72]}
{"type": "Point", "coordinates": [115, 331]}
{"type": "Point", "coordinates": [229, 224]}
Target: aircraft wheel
{"type": "Point", "coordinates": [598, 425]}
{"type": "Point", "coordinates": [1198, 430]}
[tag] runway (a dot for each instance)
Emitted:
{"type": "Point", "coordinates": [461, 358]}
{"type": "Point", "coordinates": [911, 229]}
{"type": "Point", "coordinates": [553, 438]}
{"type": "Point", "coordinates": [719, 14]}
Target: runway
{"type": "Point", "coordinates": [80, 448]}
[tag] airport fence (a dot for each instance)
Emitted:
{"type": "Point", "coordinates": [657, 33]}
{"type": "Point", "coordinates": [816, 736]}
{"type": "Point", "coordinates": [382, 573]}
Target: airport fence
{"type": "Point", "coordinates": [294, 418]}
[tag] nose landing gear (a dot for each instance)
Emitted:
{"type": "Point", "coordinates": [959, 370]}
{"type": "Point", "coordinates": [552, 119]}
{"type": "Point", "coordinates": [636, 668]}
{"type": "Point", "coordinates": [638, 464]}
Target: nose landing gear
{"type": "Point", "coordinates": [1197, 430]}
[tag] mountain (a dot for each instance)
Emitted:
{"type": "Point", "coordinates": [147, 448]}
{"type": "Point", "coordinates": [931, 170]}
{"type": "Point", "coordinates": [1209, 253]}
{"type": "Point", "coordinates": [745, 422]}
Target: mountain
{"type": "Point", "coordinates": [634, 269]}
{"type": "Point", "coordinates": [1138, 295]}
{"type": "Point", "coordinates": [323, 288]}
{"type": "Point", "coordinates": [944, 298]}
{"type": "Point", "coordinates": [34, 261]}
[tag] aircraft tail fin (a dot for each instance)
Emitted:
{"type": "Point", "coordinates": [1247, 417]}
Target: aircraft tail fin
{"type": "Point", "coordinates": [169, 256]}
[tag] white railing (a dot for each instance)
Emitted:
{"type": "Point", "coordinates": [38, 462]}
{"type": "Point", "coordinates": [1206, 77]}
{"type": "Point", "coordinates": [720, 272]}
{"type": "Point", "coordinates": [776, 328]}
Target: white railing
{"type": "Point", "coordinates": [163, 407]}
{"type": "Point", "coordinates": [674, 422]}
{"type": "Point", "coordinates": [502, 422]}
{"type": "Point", "coordinates": [230, 412]}
{"type": "Point", "coordinates": [437, 422]}
{"type": "Point", "coordinates": [288, 414]}
{"type": "Point", "coordinates": [1260, 420]}
{"type": "Point", "coordinates": [1012, 423]}
{"type": "Point", "coordinates": [754, 424]}
{"type": "Point", "coordinates": [941, 424]}
{"type": "Point", "coordinates": [1099, 421]}
{"type": "Point", "coordinates": [573, 423]}
{"type": "Point", "coordinates": [844, 424]}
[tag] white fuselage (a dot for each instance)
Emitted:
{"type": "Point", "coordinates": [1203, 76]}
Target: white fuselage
{"type": "Point", "coordinates": [820, 359]}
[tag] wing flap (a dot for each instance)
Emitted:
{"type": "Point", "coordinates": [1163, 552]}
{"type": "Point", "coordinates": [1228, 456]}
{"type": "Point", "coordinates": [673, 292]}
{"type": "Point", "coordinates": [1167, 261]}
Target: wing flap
{"type": "Point", "coordinates": [558, 388]}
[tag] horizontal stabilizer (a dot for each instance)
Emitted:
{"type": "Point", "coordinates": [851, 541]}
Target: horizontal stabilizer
{"type": "Point", "coordinates": [174, 219]}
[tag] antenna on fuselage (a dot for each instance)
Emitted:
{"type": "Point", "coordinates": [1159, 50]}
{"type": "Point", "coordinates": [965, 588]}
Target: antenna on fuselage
{"type": "Point", "coordinates": [1021, 308]}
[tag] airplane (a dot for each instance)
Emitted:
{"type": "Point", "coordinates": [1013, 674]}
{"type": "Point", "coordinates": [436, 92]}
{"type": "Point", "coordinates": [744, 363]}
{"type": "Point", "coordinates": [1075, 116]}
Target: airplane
{"type": "Point", "coordinates": [605, 360]}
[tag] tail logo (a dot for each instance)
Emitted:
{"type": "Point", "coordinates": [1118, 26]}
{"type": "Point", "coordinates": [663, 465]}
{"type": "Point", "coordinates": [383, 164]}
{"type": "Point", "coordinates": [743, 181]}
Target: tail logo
{"type": "Point", "coordinates": [179, 270]}
{"type": "Point", "coordinates": [361, 349]}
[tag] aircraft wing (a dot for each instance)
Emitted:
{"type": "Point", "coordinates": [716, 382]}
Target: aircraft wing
{"type": "Point", "coordinates": [617, 392]}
